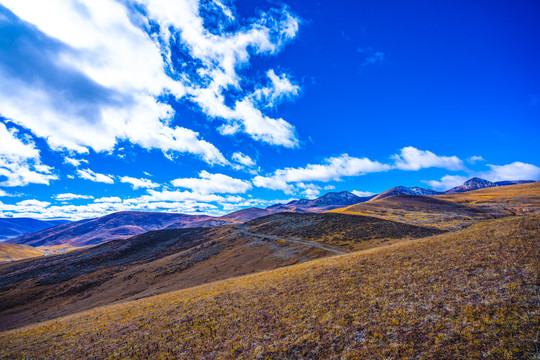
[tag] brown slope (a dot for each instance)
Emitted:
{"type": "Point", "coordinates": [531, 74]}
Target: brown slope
{"type": "Point", "coordinates": [13, 252]}
{"type": "Point", "coordinates": [422, 210]}
{"type": "Point", "coordinates": [246, 214]}
{"type": "Point", "coordinates": [521, 199]}
{"type": "Point", "coordinates": [166, 260]}
{"type": "Point", "coordinates": [453, 211]}
{"type": "Point", "coordinates": [113, 226]}
{"type": "Point", "coordinates": [471, 294]}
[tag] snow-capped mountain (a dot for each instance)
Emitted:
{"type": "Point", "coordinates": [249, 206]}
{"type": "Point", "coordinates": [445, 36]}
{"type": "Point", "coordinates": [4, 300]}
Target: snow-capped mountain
{"type": "Point", "coordinates": [328, 201]}
{"type": "Point", "coordinates": [404, 190]}
{"type": "Point", "coordinates": [477, 183]}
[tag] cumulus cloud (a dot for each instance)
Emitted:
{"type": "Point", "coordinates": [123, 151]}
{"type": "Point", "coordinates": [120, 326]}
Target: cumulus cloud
{"type": "Point", "coordinates": [243, 159]}
{"type": "Point", "coordinates": [139, 183]}
{"type": "Point", "coordinates": [20, 162]}
{"type": "Point", "coordinates": [334, 168]}
{"type": "Point", "coordinates": [88, 174]}
{"type": "Point", "coordinates": [111, 199]}
{"type": "Point", "coordinates": [363, 193]}
{"type": "Point", "coordinates": [33, 203]}
{"type": "Point", "coordinates": [217, 56]}
{"type": "Point", "coordinates": [85, 81]}
{"type": "Point", "coordinates": [411, 158]}
{"type": "Point", "coordinates": [70, 196]}
{"type": "Point", "coordinates": [447, 182]}
{"type": "Point", "coordinates": [514, 171]}
{"type": "Point", "coordinates": [74, 162]}
{"type": "Point", "coordinates": [208, 183]}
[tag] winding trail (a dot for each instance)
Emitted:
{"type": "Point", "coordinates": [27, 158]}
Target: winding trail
{"type": "Point", "coordinates": [295, 241]}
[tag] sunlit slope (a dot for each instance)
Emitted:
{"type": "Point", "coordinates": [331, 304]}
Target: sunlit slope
{"type": "Point", "coordinates": [12, 252]}
{"type": "Point", "coordinates": [519, 199]}
{"type": "Point", "coordinates": [161, 261]}
{"type": "Point", "coordinates": [453, 211]}
{"type": "Point", "coordinates": [464, 295]}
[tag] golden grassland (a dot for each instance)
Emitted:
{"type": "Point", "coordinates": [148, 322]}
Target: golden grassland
{"type": "Point", "coordinates": [523, 197]}
{"type": "Point", "coordinates": [471, 294]}
{"type": "Point", "coordinates": [453, 211]}
{"type": "Point", "coordinates": [12, 252]}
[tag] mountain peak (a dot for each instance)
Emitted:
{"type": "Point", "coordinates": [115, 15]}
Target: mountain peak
{"type": "Point", "coordinates": [404, 190]}
{"type": "Point", "coordinates": [474, 183]}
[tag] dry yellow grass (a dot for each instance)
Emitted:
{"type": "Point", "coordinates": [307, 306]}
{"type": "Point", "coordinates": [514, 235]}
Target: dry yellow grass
{"type": "Point", "coordinates": [12, 252]}
{"type": "Point", "coordinates": [471, 294]}
{"type": "Point", "coordinates": [453, 211]}
{"type": "Point", "coordinates": [524, 197]}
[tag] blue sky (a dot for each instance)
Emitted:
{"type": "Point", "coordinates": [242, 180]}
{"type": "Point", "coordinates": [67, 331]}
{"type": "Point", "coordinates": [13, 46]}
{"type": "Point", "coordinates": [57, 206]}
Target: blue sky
{"type": "Point", "coordinates": [212, 106]}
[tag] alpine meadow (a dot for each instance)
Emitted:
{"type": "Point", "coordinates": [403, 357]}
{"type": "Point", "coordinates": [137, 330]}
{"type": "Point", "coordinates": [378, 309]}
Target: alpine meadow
{"type": "Point", "coordinates": [233, 179]}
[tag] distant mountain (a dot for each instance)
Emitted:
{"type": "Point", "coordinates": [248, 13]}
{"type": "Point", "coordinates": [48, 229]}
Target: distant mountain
{"type": "Point", "coordinates": [477, 183]}
{"type": "Point", "coordinates": [246, 214]}
{"type": "Point", "coordinates": [332, 200]}
{"type": "Point", "coordinates": [119, 225]}
{"type": "Point", "coordinates": [13, 227]}
{"type": "Point", "coordinates": [403, 190]}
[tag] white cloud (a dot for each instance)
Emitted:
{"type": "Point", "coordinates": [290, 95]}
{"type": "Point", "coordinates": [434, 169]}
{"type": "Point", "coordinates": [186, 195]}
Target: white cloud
{"type": "Point", "coordinates": [243, 159]}
{"type": "Point", "coordinates": [74, 162]}
{"type": "Point", "coordinates": [363, 193]}
{"type": "Point", "coordinates": [280, 88]}
{"type": "Point", "coordinates": [3, 193]}
{"type": "Point", "coordinates": [475, 159]}
{"type": "Point", "coordinates": [310, 191]}
{"type": "Point", "coordinates": [181, 196]}
{"type": "Point", "coordinates": [447, 182]}
{"type": "Point", "coordinates": [33, 203]}
{"type": "Point", "coordinates": [411, 158]}
{"type": "Point", "coordinates": [103, 76]}
{"type": "Point", "coordinates": [514, 171]}
{"type": "Point", "coordinates": [220, 56]}
{"type": "Point", "coordinates": [333, 168]}
{"type": "Point", "coordinates": [139, 183]}
{"type": "Point", "coordinates": [88, 174]}
{"type": "Point", "coordinates": [20, 162]}
{"type": "Point", "coordinates": [112, 199]}
{"type": "Point", "coordinates": [213, 184]}
{"type": "Point", "coordinates": [70, 196]}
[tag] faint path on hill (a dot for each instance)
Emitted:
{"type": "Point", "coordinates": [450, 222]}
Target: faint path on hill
{"type": "Point", "coordinates": [295, 241]}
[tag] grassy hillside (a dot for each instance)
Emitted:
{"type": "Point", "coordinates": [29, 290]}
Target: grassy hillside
{"type": "Point", "coordinates": [12, 252]}
{"type": "Point", "coordinates": [470, 294]}
{"type": "Point", "coordinates": [453, 211]}
{"type": "Point", "coordinates": [518, 199]}
{"type": "Point", "coordinates": [162, 261]}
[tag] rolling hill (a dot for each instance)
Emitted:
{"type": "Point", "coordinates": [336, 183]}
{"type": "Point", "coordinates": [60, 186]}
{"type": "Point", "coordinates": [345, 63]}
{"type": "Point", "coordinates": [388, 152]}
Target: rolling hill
{"type": "Point", "coordinates": [13, 227]}
{"type": "Point", "coordinates": [453, 211]}
{"type": "Point", "coordinates": [326, 202]}
{"type": "Point", "coordinates": [113, 226]}
{"type": "Point", "coordinates": [128, 223]}
{"type": "Point", "coordinates": [161, 261]}
{"type": "Point", "coordinates": [461, 295]}
{"type": "Point", "coordinates": [13, 252]}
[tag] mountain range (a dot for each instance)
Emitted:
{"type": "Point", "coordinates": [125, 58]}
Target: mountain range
{"type": "Point", "coordinates": [477, 183]}
{"type": "Point", "coordinates": [125, 224]}
{"type": "Point", "coordinates": [14, 227]}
